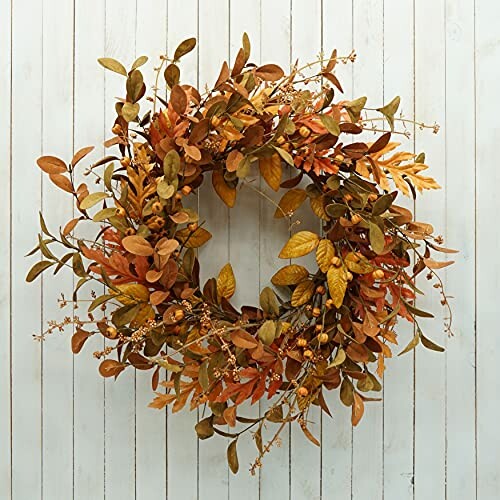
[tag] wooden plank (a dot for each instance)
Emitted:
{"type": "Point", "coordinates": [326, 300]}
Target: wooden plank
{"type": "Point", "coordinates": [487, 71]}
{"type": "Point", "coordinates": [305, 482]}
{"type": "Point", "coordinates": [398, 380]}
{"type": "Point", "coordinates": [430, 366]}
{"type": "Point", "coordinates": [213, 472]}
{"type": "Point", "coordinates": [5, 250]}
{"type": "Point", "coordinates": [336, 435]}
{"type": "Point", "coordinates": [182, 441]}
{"type": "Point", "coordinates": [244, 233]}
{"type": "Point", "coordinates": [89, 452]}
{"type": "Point", "coordinates": [120, 403]}
{"type": "Point", "coordinates": [275, 40]}
{"type": "Point", "coordinates": [460, 279]}
{"type": "Point", "coordinates": [151, 428]}
{"type": "Point", "coordinates": [57, 207]}
{"type": "Point", "coordinates": [26, 201]}
{"type": "Point", "coordinates": [368, 81]}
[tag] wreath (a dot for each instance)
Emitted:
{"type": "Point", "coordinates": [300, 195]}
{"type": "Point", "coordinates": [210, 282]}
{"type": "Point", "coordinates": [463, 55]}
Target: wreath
{"type": "Point", "coordinates": [329, 327]}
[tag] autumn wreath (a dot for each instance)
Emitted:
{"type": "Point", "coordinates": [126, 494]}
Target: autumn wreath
{"type": "Point", "coordinates": [331, 327]}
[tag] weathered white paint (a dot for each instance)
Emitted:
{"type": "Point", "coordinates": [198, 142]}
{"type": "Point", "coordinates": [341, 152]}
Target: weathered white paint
{"type": "Point", "coordinates": [65, 433]}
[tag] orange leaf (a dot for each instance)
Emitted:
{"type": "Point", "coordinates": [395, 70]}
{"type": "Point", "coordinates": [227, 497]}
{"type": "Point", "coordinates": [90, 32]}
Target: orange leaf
{"type": "Point", "coordinates": [358, 408]}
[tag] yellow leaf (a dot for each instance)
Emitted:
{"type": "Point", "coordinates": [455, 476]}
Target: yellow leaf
{"type": "Point", "coordinates": [357, 264]}
{"type": "Point", "coordinates": [302, 293]}
{"type": "Point", "coordinates": [299, 244]}
{"type": "Point", "coordinates": [226, 193]}
{"type": "Point", "coordinates": [145, 313]}
{"type": "Point", "coordinates": [226, 283]}
{"type": "Point", "coordinates": [271, 170]}
{"type": "Point", "coordinates": [193, 239]}
{"type": "Point", "coordinates": [337, 284]}
{"type": "Point", "coordinates": [318, 207]}
{"type": "Point", "coordinates": [290, 275]}
{"type": "Point", "coordinates": [324, 254]}
{"type": "Point", "coordinates": [290, 202]}
{"type": "Point", "coordinates": [132, 293]}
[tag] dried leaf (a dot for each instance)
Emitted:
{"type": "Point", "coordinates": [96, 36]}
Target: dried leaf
{"type": "Point", "coordinates": [290, 202]}
{"type": "Point", "coordinates": [412, 344]}
{"type": "Point", "coordinates": [269, 72]}
{"type": "Point", "coordinates": [226, 283]}
{"type": "Point", "coordinates": [271, 170]}
{"type": "Point", "coordinates": [358, 408]}
{"type": "Point", "coordinates": [178, 99]}
{"type": "Point", "coordinates": [429, 344]}
{"type": "Point", "coordinates": [299, 244]}
{"type": "Point", "coordinates": [269, 301]}
{"type": "Point", "coordinates": [112, 65]}
{"type": "Point", "coordinates": [184, 48]}
{"type": "Point", "coordinates": [232, 456]}
{"type": "Point", "coordinates": [92, 199]}
{"type": "Point", "coordinates": [267, 332]}
{"type": "Point", "coordinates": [192, 239]}
{"type": "Point", "coordinates": [111, 368]}
{"type": "Point", "coordinates": [290, 275]}
{"type": "Point", "coordinates": [337, 285]}
{"type": "Point", "coordinates": [226, 193]}
{"type": "Point", "coordinates": [137, 245]}
{"type": "Point", "coordinates": [80, 154]}
{"type": "Point", "coordinates": [302, 293]}
{"type": "Point", "coordinates": [234, 158]}
{"type": "Point", "coordinates": [38, 269]}
{"type": "Point", "coordinates": [324, 254]}
{"type": "Point", "coordinates": [377, 239]}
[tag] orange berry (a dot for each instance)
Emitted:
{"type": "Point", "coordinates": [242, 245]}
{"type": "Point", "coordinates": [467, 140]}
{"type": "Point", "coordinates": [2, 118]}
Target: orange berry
{"type": "Point", "coordinates": [116, 129]}
{"type": "Point", "coordinates": [336, 261]}
{"type": "Point", "coordinates": [378, 274]}
{"type": "Point", "coordinates": [372, 197]}
{"type": "Point", "coordinates": [193, 226]}
{"type": "Point", "coordinates": [178, 314]}
{"type": "Point", "coordinates": [323, 338]}
{"type": "Point", "coordinates": [329, 304]}
{"type": "Point", "coordinates": [349, 276]}
{"type": "Point", "coordinates": [186, 190]}
{"type": "Point", "coordinates": [301, 342]}
{"type": "Point", "coordinates": [160, 221]}
{"type": "Point", "coordinates": [321, 290]}
{"type": "Point", "coordinates": [215, 121]}
{"type": "Point", "coordinates": [111, 332]}
{"type": "Point", "coordinates": [157, 207]}
{"type": "Point", "coordinates": [302, 391]}
{"type": "Point", "coordinates": [316, 312]}
{"type": "Point", "coordinates": [347, 197]}
{"type": "Point", "coordinates": [308, 354]}
{"type": "Point", "coordinates": [125, 162]}
{"type": "Point", "coordinates": [178, 195]}
{"type": "Point", "coordinates": [356, 219]}
{"type": "Point", "coordinates": [280, 140]}
{"type": "Point", "coordinates": [318, 328]}
{"type": "Point", "coordinates": [304, 131]}
{"type": "Point", "coordinates": [120, 212]}
{"type": "Point", "coordinates": [130, 231]}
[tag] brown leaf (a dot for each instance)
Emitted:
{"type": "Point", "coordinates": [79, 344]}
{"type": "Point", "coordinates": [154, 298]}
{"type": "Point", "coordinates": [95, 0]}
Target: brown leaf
{"type": "Point", "coordinates": [233, 159]}
{"type": "Point", "coordinates": [299, 244]}
{"type": "Point", "coordinates": [178, 99]}
{"type": "Point", "coordinates": [111, 368]}
{"type": "Point", "coordinates": [82, 153]}
{"type": "Point", "coordinates": [269, 72]}
{"type": "Point", "coordinates": [434, 264]}
{"type": "Point", "coordinates": [226, 193]}
{"type": "Point", "coordinates": [290, 202]}
{"type": "Point", "coordinates": [229, 415]}
{"type": "Point", "coordinates": [358, 408]}
{"type": "Point", "coordinates": [137, 245]}
{"type": "Point", "coordinates": [51, 165]}
{"type": "Point", "coordinates": [62, 182]}
{"type": "Point", "coordinates": [232, 456]}
{"type": "Point", "coordinates": [78, 339]}
{"type": "Point", "coordinates": [184, 48]}
{"type": "Point", "coordinates": [242, 339]}
{"type": "Point", "coordinates": [192, 239]}
{"type": "Point", "coordinates": [308, 434]}
{"type": "Point", "coordinates": [271, 170]}
{"type": "Point", "coordinates": [70, 226]}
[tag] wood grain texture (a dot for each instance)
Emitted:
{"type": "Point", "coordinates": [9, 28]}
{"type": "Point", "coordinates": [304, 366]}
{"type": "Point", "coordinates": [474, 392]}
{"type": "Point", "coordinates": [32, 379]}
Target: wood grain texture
{"type": "Point", "coordinates": [68, 434]}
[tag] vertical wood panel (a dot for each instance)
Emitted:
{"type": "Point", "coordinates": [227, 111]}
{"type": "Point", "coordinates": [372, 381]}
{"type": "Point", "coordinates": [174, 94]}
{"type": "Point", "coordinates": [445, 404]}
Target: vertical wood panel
{"type": "Point", "coordinates": [368, 81]}
{"type": "Point", "coordinates": [57, 139]}
{"type": "Point", "coordinates": [430, 366]}
{"type": "Point", "coordinates": [398, 383]}
{"type": "Point", "coordinates": [5, 250]}
{"type": "Point", "coordinates": [460, 221]}
{"type": "Point", "coordinates": [275, 40]}
{"type": "Point", "coordinates": [26, 202]}
{"type": "Point", "coordinates": [182, 473]}
{"type": "Point", "coordinates": [487, 72]}
{"type": "Point", "coordinates": [214, 48]}
{"type": "Point", "coordinates": [151, 426]}
{"type": "Point", "coordinates": [89, 452]}
{"type": "Point", "coordinates": [244, 231]}
{"type": "Point", "coordinates": [120, 418]}
{"type": "Point", "coordinates": [336, 436]}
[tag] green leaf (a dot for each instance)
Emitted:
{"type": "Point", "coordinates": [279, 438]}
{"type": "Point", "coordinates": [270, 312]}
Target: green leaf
{"type": "Point", "coordinates": [108, 175]}
{"type": "Point", "coordinates": [171, 165]}
{"type": "Point", "coordinates": [377, 239]}
{"type": "Point", "coordinates": [78, 267]}
{"type": "Point", "coordinates": [172, 75]}
{"type": "Point", "coordinates": [38, 269]}
{"type": "Point", "coordinates": [135, 82]}
{"type": "Point", "coordinates": [43, 226]}
{"type": "Point", "coordinates": [93, 199]}
{"type": "Point", "coordinates": [130, 111]}
{"type": "Point", "coordinates": [112, 65]}
{"type": "Point", "coordinates": [232, 456]}
{"type": "Point", "coordinates": [339, 358]}
{"type": "Point", "coordinates": [140, 61]}
{"type": "Point", "coordinates": [267, 332]}
{"type": "Point", "coordinates": [285, 155]}
{"type": "Point", "coordinates": [269, 302]}
{"type": "Point", "coordinates": [99, 301]}
{"type": "Point", "coordinates": [347, 392]}
{"type": "Point", "coordinates": [382, 204]}
{"type": "Point", "coordinates": [243, 169]}
{"type": "Point", "coordinates": [417, 312]}
{"type": "Point", "coordinates": [246, 45]}
{"type": "Point", "coordinates": [429, 344]}
{"type": "Point", "coordinates": [184, 48]}
{"type": "Point", "coordinates": [411, 345]}
{"type": "Point", "coordinates": [355, 107]}
{"type": "Point", "coordinates": [330, 124]}
{"type": "Point", "coordinates": [389, 110]}
{"type": "Point", "coordinates": [204, 428]}
{"type": "Point", "coordinates": [104, 214]}
{"type": "Point", "coordinates": [165, 190]}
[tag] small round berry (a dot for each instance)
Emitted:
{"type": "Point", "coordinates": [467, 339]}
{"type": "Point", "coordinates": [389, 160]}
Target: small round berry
{"type": "Point", "coordinates": [304, 131]}
{"type": "Point", "coordinates": [378, 274]}
{"type": "Point", "coordinates": [348, 276]}
{"type": "Point", "coordinates": [120, 212]}
{"type": "Point", "coordinates": [117, 130]}
{"type": "Point", "coordinates": [318, 328]}
{"type": "Point", "coordinates": [308, 354]}
{"type": "Point", "coordinates": [321, 289]}
{"type": "Point", "coordinates": [336, 261]}
{"type": "Point", "coordinates": [302, 391]}
{"type": "Point", "coordinates": [339, 158]}
{"type": "Point", "coordinates": [347, 198]}
{"type": "Point", "coordinates": [372, 197]}
{"type": "Point", "coordinates": [329, 304]}
{"type": "Point", "coordinates": [178, 195]}
{"type": "Point", "coordinates": [125, 162]}
{"type": "Point", "coordinates": [356, 219]}
{"type": "Point", "coordinates": [111, 332]}
{"type": "Point", "coordinates": [160, 221]}
{"type": "Point", "coordinates": [193, 226]}
{"type": "Point", "coordinates": [156, 207]}
{"type": "Point", "coordinates": [186, 190]}
{"type": "Point", "coordinates": [130, 231]}
{"type": "Point", "coordinates": [323, 338]}
{"type": "Point", "coordinates": [215, 121]}
{"type": "Point", "coordinates": [301, 342]}
{"type": "Point", "coordinates": [316, 312]}
{"type": "Point", "coordinates": [178, 314]}
{"type": "Point", "coordinates": [280, 140]}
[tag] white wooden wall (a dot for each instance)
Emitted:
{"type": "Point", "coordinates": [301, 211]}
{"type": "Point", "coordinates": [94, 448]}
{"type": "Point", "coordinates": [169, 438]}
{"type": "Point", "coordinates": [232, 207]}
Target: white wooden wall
{"type": "Point", "coordinates": [66, 433]}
